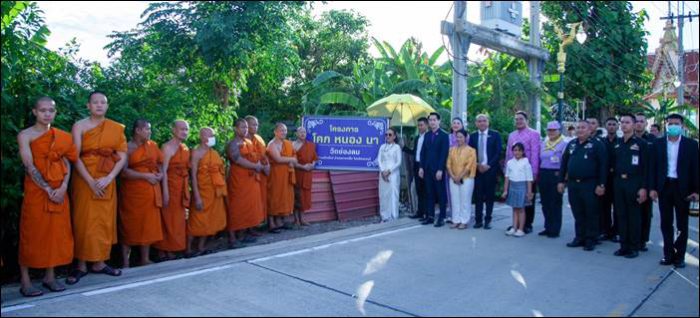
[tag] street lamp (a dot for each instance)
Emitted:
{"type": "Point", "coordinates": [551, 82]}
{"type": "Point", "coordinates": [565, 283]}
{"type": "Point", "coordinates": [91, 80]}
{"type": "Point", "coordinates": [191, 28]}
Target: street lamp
{"type": "Point", "coordinates": [579, 34]}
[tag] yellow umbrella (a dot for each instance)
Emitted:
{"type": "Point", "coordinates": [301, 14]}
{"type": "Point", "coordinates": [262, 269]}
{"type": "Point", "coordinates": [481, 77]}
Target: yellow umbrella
{"type": "Point", "coordinates": [403, 109]}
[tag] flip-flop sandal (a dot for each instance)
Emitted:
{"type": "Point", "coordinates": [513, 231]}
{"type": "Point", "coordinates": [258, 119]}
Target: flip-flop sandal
{"type": "Point", "coordinates": [76, 275]}
{"type": "Point", "coordinates": [54, 287]}
{"type": "Point", "coordinates": [107, 271]}
{"type": "Point", "coordinates": [30, 292]}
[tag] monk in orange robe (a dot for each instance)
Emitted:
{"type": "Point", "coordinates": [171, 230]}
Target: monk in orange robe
{"type": "Point", "coordinates": [209, 192]}
{"type": "Point", "coordinates": [102, 146]}
{"type": "Point", "coordinates": [140, 195]}
{"type": "Point", "coordinates": [280, 186]}
{"type": "Point", "coordinates": [244, 205]}
{"type": "Point", "coordinates": [176, 192]}
{"type": "Point", "coordinates": [306, 157]}
{"type": "Point", "coordinates": [261, 149]}
{"type": "Point", "coordinates": [45, 234]}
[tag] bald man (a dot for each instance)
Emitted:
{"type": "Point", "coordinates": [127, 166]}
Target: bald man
{"type": "Point", "coordinates": [209, 191]}
{"type": "Point", "coordinates": [261, 148]}
{"type": "Point", "coordinates": [176, 192]}
{"type": "Point", "coordinates": [307, 157]}
{"type": "Point", "coordinates": [280, 202]}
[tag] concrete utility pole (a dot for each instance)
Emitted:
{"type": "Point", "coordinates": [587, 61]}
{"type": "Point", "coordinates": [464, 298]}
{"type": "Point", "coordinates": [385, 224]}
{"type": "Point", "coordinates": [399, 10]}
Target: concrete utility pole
{"type": "Point", "coordinates": [460, 45]}
{"type": "Point", "coordinates": [534, 63]}
{"type": "Point", "coordinates": [680, 90]}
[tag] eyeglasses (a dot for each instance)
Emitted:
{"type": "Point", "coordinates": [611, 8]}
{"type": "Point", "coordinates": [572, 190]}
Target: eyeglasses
{"type": "Point", "coordinates": [390, 135]}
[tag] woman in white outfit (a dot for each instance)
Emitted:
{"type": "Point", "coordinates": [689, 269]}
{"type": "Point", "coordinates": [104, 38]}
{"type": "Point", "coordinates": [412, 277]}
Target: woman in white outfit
{"type": "Point", "coordinates": [461, 165]}
{"type": "Point", "coordinates": [390, 177]}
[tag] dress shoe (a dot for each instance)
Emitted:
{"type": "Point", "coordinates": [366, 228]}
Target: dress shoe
{"type": "Point", "coordinates": [665, 262]}
{"type": "Point", "coordinates": [621, 252]}
{"type": "Point", "coordinates": [487, 226]}
{"type": "Point", "coordinates": [478, 225]}
{"type": "Point", "coordinates": [527, 229]}
{"type": "Point", "coordinates": [644, 248]}
{"type": "Point", "coordinates": [427, 221]}
{"type": "Point", "coordinates": [615, 239]}
{"type": "Point", "coordinates": [552, 235]}
{"type": "Point", "coordinates": [632, 254]}
{"type": "Point", "coordinates": [575, 243]}
{"type": "Point", "coordinates": [439, 223]}
{"type": "Point", "coordinates": [543, 233]}
{"type": "Point", "coordinates": [680, 264]}
{"type": "Point", "coordinates": [415, 216]}
{"type": "Point", "coordinates": [589, 246]}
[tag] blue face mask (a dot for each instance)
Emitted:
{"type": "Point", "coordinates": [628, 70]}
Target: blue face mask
{"type": "Point", "coordinates": [674, 130]}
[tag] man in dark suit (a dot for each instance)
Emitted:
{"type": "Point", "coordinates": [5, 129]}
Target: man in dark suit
{"type": "Point", "coordinates": [487, 144]}
{"type": "Point", "coordinates": [415, 154]}
{"type": "Point", "coordinates": [433, 159]}
{"type": "Point", "coordinates": [674, 184]}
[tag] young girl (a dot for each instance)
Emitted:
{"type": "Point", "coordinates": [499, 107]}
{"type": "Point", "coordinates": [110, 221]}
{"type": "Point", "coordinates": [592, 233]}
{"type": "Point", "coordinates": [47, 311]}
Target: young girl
{"type": "Point", "coordinates": [518, 188]}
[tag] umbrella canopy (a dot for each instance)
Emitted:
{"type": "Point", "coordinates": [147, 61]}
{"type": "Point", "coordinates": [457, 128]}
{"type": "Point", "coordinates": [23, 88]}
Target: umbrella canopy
{"type": "Point", "coordinates": [403, 109]}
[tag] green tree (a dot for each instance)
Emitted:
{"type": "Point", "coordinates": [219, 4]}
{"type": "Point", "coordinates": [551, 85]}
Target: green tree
{"type": "Point", "coordinates": [609, 70]}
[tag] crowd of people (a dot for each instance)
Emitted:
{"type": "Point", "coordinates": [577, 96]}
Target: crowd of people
{"type": "Point", "coordinates": [612, 179]}
{"type": "Point", "coordinates": [171, 197]}
{"type": "Point", "coordinates": [174, 198]}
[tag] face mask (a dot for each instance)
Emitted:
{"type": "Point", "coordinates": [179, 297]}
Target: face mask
{"type": "Point", "coordinates": [211, 142]}
{"type": "Point", "coordinates": [674, 130]}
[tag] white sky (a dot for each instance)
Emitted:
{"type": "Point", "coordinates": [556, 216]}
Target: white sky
{"type": "Point", "coordinates": [394, 22]}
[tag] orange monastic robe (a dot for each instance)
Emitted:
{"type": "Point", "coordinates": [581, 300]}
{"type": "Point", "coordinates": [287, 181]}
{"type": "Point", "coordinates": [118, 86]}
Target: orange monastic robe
{"type": "Point", "coordinates": [95, 218]}
{"type": "Point", "coordinates": [245, 208]}
{"type": "Point", "coordinates": [139, 201]}
{"type": "Point", "coordinates": [261, 149]}
{"type": "Point", "coordinates": [306, 154]}
{"type": "Point", "coordinates": [280, 186]}
{"type": "Point", "coordinates": [212, 190]}
{"type": "Point", "coordinates": [45, 235]}
{"type": "Point", "coordinates": [173, 216]}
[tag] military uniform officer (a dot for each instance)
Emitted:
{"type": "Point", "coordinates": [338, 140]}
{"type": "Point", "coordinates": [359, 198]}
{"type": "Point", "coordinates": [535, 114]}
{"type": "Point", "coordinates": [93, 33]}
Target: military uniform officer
{"type": "Point", "coordinates": [632, 179]}
{"type": "Point", "coordinates": [584, 170]}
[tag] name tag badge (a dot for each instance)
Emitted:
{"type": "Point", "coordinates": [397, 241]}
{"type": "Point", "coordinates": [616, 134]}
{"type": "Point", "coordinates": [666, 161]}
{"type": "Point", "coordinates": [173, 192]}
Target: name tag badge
{"type": "Point", "coordinates": [588, 146]}
{"type": "Point", "coordinates": [634, 147]}
{"type": "Point", "coordinates": [635, 160]}
{"type": "Point", "coordinates": [554, 159]}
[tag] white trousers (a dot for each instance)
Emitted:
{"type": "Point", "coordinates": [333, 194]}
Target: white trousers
{"type": "Point", "coordinates": [461, 201]}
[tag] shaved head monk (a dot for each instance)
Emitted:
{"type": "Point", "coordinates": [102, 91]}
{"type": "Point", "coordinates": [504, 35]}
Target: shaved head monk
{"type": "Point", "coordinates": [140, 195]}
{"type": "Point", "coordinates": [209, 190]}
{"type": "Point", "coordinates": [280, 187]}
{"type": "Point", "coordinates": [261, 148]}
{"type": "Point", "coordinates": [45, 235]}
{"type": "Point", "coordinates": [102, 147]}
{"type": "Point", "coordinates": [176, 192]}
{"type": "Point", "coordinates": [245, 209]}
{"type": "Point", "coordinates": [307, 157]}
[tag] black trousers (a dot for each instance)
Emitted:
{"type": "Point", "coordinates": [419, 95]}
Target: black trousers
{"type": "Point", "coordinates": [484, 194]}
{"type": "Point", "coordinates": [628, 213]}
{"type": "Point", "coordinates": [646, 221]}
{"type": "Point", "coordinates": [436, 193]}
{"type": "Point", "coordinates": [530, 209]}
{"type": "Point", "coordinates": [420, 191]}
{"type": "Point", "coordinates": [672, 202]}
{"type": "Point", "coordinates": [551, 201]}
{"type": "Point", "coordinates": [584, 204]}
{"type": "Point", "coordinates": [608, 220]}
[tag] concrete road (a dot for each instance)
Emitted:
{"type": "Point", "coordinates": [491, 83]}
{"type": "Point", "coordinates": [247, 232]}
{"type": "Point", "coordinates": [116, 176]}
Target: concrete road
{"type": "Point", "coordinates": [394, 269]}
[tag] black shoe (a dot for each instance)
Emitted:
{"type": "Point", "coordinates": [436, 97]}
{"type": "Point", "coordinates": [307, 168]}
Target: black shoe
{"type": "Point", "coordinates": [621, 252]}
{"type": "Point", "coordinates": [543, 233]}
{"type": "Point", "coordinates": [449, 222]}
{"type": "Point", "coordinates": [527, 229]}
{"type": "Point", "coordinates": [680, 264]}
{"type": "Point", "coordinates": [439, 224]}
{"type": "Point", "coordinates": [665, 262]}
{"type": "Point", "coordinates": [644, 248]}
{"type": "Point", "coordinates": [487, 226]}
{"type": "Point", "coordinates": [615, 239]}
{"type": "Point", "coordinates": [427, 221]}
{"type": "Point", "coordinates": [415, 216]}
{"type": "Point", "coordinates": [597, 242]}
{"type": "Point", "coordinates": [478, 225]}
{"type": "Point", "coordinates": [552, 235]}
{"type": "Point", "coordinates": [575, 243]}
{"type": "Point", "coordinates": [602, 237]}
{"type": "Point", "coordinates": [632, 254]}
{"type": "Point", "coordinates": [589, 246]}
